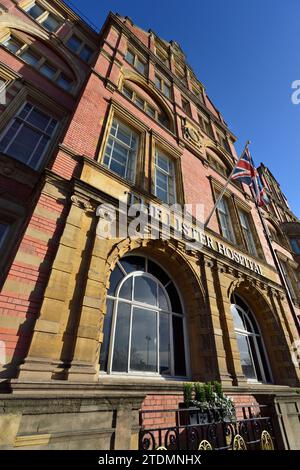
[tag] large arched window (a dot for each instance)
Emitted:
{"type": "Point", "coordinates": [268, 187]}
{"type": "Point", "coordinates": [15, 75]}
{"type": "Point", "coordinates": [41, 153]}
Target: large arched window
{"type": "Point", "coordinates": [144, 324]}
{"type": "Point", "coordinates": [252, 351]}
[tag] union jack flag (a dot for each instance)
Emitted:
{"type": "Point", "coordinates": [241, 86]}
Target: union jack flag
{"type": "Point", "coordinates": [245, 170]}
{"type": "Point", "coordinates": [259, 190]}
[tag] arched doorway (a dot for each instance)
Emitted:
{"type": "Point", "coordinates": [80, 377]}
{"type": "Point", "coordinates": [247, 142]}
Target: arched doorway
{"type": "Point", "coordinates": [144, 328]}
{"type": "Point", "coordinates": [254, 361]}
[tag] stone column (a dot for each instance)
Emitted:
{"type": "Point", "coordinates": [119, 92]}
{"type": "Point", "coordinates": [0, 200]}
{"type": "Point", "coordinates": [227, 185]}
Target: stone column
{"type": "Point", "coordinates": [85, 363]}
{"type": "Point", "coordinates": [49, 331]}
{"type": "Point", "coordinates": [228, 360]}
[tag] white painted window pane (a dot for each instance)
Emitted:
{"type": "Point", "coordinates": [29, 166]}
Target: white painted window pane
{"type": "Point", "coordinates": [145, 290]}
{"type": "Point", "coordinates": [246, 358]}
{"type": "Point", "coordinates": [143, 354]}
{"type": "Point", "coordinates": [120, 357]}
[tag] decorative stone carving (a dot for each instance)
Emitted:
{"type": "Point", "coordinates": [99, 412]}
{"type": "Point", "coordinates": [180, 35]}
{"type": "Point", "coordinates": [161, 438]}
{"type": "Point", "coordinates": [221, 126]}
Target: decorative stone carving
{"type": "Point", "coordinates": [84, 204]}
{"type": "Point", "coordinates": [191, 134]}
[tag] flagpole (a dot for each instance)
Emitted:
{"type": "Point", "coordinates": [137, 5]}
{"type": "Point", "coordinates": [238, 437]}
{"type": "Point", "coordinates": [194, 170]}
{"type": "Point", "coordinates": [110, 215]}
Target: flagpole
{"type": "Point", "coordinates": [278, 266]}
{"type": "Point", "coordinates": [219, 198]}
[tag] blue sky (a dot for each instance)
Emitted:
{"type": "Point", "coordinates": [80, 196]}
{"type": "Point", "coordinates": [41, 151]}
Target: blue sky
{"type": "Point", "coordinates": [247, 54]}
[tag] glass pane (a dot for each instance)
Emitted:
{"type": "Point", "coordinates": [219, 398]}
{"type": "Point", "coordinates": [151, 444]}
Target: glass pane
{"type": "Point", "coordinates": [178, 346]}
{"type": "Point", "coordinates": [127, 92]}
{"type": "Point", "coordinates": [65, 82]}
{"type": "Point", "coordinates": [115, 278]}
{"type": "Point", "coordinates": [158, 272]}
{"type": "Point", "coordinates": [254, 351]}
{"type": "Point", "coordinates": [174, 298]}
{"type": "Point", "coordinates": [8, 137]}
{"type": "Point", "coordinates": [126, 290]}
{"type": "Point", "coordinates": [13, 45]}
{"type": "Point", "coordinates": [239, 301]}
{"type": "Point", "coordinates": [30, 58]}
{"type": "Point", "coordinates": [106, 335]}
{"type": "Point", "coordinates": [117, 168]}
{"type": "Point", "coordinates": [38, 119]}
{"type": "Point", "coordinates": [162, 180]}
{"type": "Point", "coordinates": [50, 23]}
{"type": "Point", "coordinates": [86, 53]}
{"type": "Point", "coordinates": [120, 358]}
{"type": "Point", "coordinates": [139, 102]}
{"type": "Point", "coordinates": [24, 144]}
{"type": "Point", "coordinates": [162, 299]}
{"type": "Point", "coordinates": [167, 91]}
{"type": "Point", "coordinates": [162, 162]}
{"type": "Point", "coordinates": [150, 111]}
{"type": "Point", "coordinates": [237, 318]}
{"type": "Point", "coordinates": [120, 153]}
{"type": "Point", "coordinates": [163, 119]}
{"type": "Point", "coordinates": [145, 290]}
{"type": "Point", "coordinates": [51, 127]}
{"type": "Point", "coordinates": [246, 360]}
{"type": "Point", "coordinates": [48, 71]}
{"type": "Point", "coordinates": [163, 195]}
{"type": "Point", "coordinates": [130, 57]}
{"type": "Point", "coordinates": [39, 152]}
{"type": "Point", "coordinates": [3, 231]}
{"type": "Point", "coordinates": [140, 66]}
{"type": "Point", "coordinates": [144, 340]}
{"type": "Point", "coordinates": [164, 344]}
{"type": "Point", "coordinates": [158, 82]}
{"type": "Point", "coordinates": [124, 134]}
{"type": "Point", "coordinates": [35, 11]}
{"type": "Point", "coordinates": [133, 263]}
{"type": "Point", "coordinates": [74, 43]}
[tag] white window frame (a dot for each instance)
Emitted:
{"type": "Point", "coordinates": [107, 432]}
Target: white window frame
{"type": "Point", "coordinates": [25, 123]}
{"type": "Point", "coordinates": [248, 235]}
{"type": "Point", "coordinates": [170, 174]}
{"type": "Point", "coordinates": [224, 216]}
{"type": "Point", "coordinates": [130, 150]}
{"type": "Point", "coordinates": [254, 335]}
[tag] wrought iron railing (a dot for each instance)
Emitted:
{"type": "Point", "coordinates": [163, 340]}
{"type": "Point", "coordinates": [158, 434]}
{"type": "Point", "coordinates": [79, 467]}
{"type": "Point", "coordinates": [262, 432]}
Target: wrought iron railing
{"type": "Point", "coordinates": [194, 429]}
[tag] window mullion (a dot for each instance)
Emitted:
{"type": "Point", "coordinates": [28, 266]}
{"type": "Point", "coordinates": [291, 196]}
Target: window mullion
{"type": "Point", "coordinates": [158, 339]}
{"type": "Point", "coordinates": [171, 344]}
{"type": "Point", "coordinates": [130, 337]}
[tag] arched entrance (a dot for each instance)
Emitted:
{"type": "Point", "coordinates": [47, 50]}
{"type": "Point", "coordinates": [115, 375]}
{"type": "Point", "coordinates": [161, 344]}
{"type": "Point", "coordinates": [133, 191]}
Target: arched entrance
{"type": "Point", "coordinates": [144, 327]}
{"type": "Point", "coordinates": [179, 317]}
{"type": "Point", "coordinates": [262, 337]}
{"type": "Point", "coordinates": [252, 350]}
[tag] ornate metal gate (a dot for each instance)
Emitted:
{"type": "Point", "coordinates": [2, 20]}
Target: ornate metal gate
{"type": "Point", "coordinates": [193, 429]}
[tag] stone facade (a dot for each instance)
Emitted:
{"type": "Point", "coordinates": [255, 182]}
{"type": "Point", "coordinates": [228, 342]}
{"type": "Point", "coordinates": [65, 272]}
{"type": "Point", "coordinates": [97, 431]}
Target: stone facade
{"type": "Point", "coordinates": [57, 269]}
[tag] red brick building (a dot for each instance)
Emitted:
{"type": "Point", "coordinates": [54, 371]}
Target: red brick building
{"type": "Point", "coordinates": [95, 328]}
